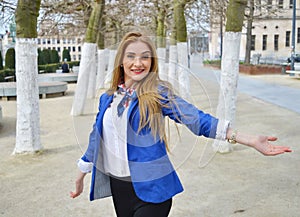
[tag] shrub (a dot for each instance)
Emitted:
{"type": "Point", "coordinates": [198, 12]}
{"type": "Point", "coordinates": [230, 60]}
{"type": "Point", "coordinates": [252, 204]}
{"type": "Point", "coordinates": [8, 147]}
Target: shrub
{"type": "Point", "coordinates": [66, 55]}
{"type": "Point", "coordinates": [45, 55]}
{"type": "Point", "coordinates": [10, 59]}
{"type": "Point", "coordinates": [40, 57]}
{"type": "Point", "coordinates": [48, 68]}
{"type": "Point", "coordinates": [73, 63]}
{"type": "Point", "coordinates": [54, 57]}
{"type": "Point", "coordinates": [1, 61]}
{"type": "Point", "coordinates": [6, 72]}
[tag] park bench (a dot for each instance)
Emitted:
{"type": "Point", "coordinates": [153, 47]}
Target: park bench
{"type": "Point", "coordinates": [293, 72]}
{"type": "Point", "coordinates": [9, 78]}
{"type": "Point", "coordinates": [0, 113]}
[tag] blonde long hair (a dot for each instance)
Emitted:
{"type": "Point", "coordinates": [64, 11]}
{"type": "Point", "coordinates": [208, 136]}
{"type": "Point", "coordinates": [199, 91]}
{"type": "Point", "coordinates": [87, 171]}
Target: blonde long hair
{"type": "Point", "coordinates": [150, 106]}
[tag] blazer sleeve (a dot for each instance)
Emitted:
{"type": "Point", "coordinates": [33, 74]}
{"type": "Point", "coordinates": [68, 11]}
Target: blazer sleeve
{"type": "Point", "coordinates": [200, 123]}
{"type": "Point", "coordinates": [93, 139]}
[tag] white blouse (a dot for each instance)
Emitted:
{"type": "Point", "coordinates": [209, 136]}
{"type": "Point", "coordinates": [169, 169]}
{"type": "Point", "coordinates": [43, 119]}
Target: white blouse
{"type": "Point", "coordinates": [115, 140]}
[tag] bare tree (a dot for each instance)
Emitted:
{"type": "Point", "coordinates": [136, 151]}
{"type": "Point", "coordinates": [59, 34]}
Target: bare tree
{"type": "Point", "coordinates": [217, 19]}
{"type": "Point", "coordinates": [87, 69]}
{"type": "Point", "coordinates": [7, 8]}
{"type": "Point", "coordinates": [182, 48]}
{"type": "Point", "coordinates": [67, 17]}
{"type": "Point", "coordinates": [230, 67]}
{"type": "Point", "coordinates": [161, 31]}
{"type": "Point", "coordinates": [28, 115]}
{"type": "Point", "coordinates": [197, 16]}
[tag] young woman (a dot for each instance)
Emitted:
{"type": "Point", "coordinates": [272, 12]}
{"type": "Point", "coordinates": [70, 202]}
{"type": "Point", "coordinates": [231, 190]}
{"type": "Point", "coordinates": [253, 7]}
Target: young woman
{"type": "Point", "coordinates": [127, 152]}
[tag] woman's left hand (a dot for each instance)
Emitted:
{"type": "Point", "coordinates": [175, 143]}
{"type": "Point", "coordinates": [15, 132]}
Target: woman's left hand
{"type": "Point", "coordinates": [263, 145]}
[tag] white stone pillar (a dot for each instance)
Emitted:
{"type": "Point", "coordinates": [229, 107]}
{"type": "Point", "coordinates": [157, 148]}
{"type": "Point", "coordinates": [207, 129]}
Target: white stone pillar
{"type": "Point", "coordinates": [161, 55]}
{"type": "Point", "coordinates": [172, 73]}
{"type": "Point", "coordinates": [183, 70]}
{"type": "Point", "coordinates": [111, 61]}
{"type": "Point", "coordinates": [28, 114]}
{"type": "Point", "coordinates": [91, 90]}
{"type": "Point", "coordinates": [101, 64]}
{"type": "Point", "coordinates": [88, 52]}
{"type": "Point", "coordinates": [226, 109]}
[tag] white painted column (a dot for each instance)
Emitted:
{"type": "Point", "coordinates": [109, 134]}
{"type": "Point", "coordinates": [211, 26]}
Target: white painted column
{"type": "Point", "coordinates": [28, 114]}
{"type": "Point", "coordinates": [91, 90]}
{"type": "Point", "coordinates": [88, 51]}
{"type": "Point", "coordinates": [183, 71]}
{"type": "Point", "coordinates": [172, 73]}
{"type": "Point", "coordinates": [101, 64]}
{"type": "Point", "coordinates": [161, 55]}
{"type": "Point", "coordinates": [226, 109]}
{"type": "Point", "coordinates": [111, 61]}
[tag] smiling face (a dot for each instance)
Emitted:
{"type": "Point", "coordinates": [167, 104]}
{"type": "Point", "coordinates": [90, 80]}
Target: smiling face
{"type": "Point", "coordinates": [136, 62]}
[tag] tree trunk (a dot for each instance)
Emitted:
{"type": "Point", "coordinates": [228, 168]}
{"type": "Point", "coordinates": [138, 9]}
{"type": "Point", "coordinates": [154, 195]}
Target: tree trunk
{"type": "Point", "coordinates": [101, 65]}
{"type": "Point", "coordinates": [87, 71]}
{"type": "Point", "coordinates": [182, 49]}
{"type": "Point", "coordinates": [230, 68]}
{"type": "Point", "coordinates": [161, 41]}
{"type": "Point", "coordinates": [101, 52]}
{"type": "Point", "coordinates": [110, 68]}
{"type": "Point", "coordinates": [249, 32]}
{"type": "Point", "coordinates": [28, 114]}
{"type": "Point", "coordinates": [172, 71]}
{"type": "Point", "coordinates": [87, 64]}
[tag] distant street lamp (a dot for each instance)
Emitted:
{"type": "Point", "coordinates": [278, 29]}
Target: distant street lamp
{"type": "Point", "coordinates": [293, 36]}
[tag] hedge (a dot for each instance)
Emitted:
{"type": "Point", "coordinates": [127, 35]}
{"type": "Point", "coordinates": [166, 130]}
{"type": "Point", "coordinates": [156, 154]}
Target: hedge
{"type": "Point", "coordinates": [48, 68]}
{"type": "Point", "coordinates": [10, 59]}
{"type": "Point", "coordinates": [66, 55]}
{"type": "Point", "coordinates": [1, 61]}
{"type": "Point", "coordinates": [6, 72]}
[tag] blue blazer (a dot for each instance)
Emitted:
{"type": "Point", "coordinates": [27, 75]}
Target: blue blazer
{"type": "Point", "coordinates": [153, 176]}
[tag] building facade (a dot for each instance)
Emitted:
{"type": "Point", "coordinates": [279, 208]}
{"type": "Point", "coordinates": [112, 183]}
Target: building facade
{"type": "Point", "coordinates": [60, 43]}
{"type": "Point", "coordinates": [50, 40]}
{"type": "Point", "coordinates": [271, 37]}
{"type": "Point", "coordinates": [53, 38]}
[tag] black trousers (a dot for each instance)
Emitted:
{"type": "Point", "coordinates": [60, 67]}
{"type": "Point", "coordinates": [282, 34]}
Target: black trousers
{"type": "Point", "coordinates": [127, 204]}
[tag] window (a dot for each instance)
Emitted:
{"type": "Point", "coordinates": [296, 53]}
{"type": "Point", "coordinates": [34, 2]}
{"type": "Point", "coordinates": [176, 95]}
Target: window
{"type": "Point", "coordinates": [58, 49]}
{"type": "Point", "coordinates": [291, 4]}
{"type": "Point", "coordinates": [48, 41]}
{"type": "Point", "coordinates": [269, 4]}
{"type": "Point", "coordinates": [53, 40]}
{"type": "Point", "coordinates": [74, 57]}
{"type": "Point", "coordinates": [73, 49]}
{"type": "Point", "coordinates": [64, 41]}
{"type": "Point", "coordinates": [39, 41]}
{"type": "Point", "coordinates": [79, 49]}
{"type": "Point", "coordinates": [264, 42]}
{"type": "Point", "coordinates": [252, 42]}
{"type": "Point", "coordinates": [276, 37]}
{"type": "Point", "coordinates": [287, 38]}
{"type": "Point", "coordinates": [298, 35]}
{"type": "Point", "coordinates": [258, 3]}
{"type": "Point", "coordinates": [69, 48]}
{"type": "Point", "coordinates": [44, 41]}
{"type": "Point", "coordinates": [58, 41]}
{"type": "Point", "coordinates": [280, 3]}
{"type": "Point", "coordinates": [79, 57]}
